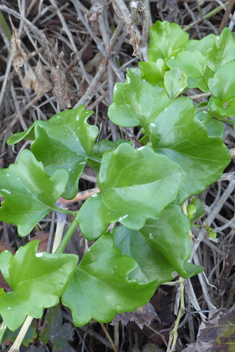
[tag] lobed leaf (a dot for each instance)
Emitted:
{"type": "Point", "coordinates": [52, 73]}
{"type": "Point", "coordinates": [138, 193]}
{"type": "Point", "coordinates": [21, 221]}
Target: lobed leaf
{"type": "Point", "coordinates": [222, 51]}
{"type": "Point", "coordinates": [183, 138]}
{"type": "Point", "coordinates": [203, 44]}
{"type": "Point", "coordinates": [136, 103]}
{"type": "Point", "coordinates": [165, 245]}
{"type": "Point", "coordinates": [134, 185]}
{"type": "Point", "coordinates": [63, 142]}
{"type": "Point", "coordinates": [166, 39]}
{"type": "Point", "coordinates": [100, 287]}
{"type": "Point", "coordinates": [183, 60]}
{"type": "Point", "coordinates": [153, 72]}
{"type": "Point", "coordinates": [29, 193]}
{"type": "Point", "coordinates": [222, 85]}
{"type": "Point", "coordinates": [37, 281]}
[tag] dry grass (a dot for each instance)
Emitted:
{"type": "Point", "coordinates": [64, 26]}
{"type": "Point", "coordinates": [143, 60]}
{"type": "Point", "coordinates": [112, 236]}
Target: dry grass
{"type": "Point", "coordinates": [64, 54]}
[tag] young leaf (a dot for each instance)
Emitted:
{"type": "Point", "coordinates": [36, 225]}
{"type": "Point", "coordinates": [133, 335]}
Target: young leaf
{"type": "Point", "coordinates": [183, 60]}
{"type": "Point", "coordinates": [136, 103]}
{"type": "Point", "coordinates": [153, 72]}
{"type": "Point", "coordinates": [202, 45]}
{"type": "Point", "coordinates": [222, 51]}
{"type": "Point", "coordinates": [133, 188]}
{"type": "Point", "coordinates": [175, 81]}
{"type": "Point", "coordinates": [29, 193]}
{"type": "Point", "coordinates": [222, 85]}
{"type": "Point", "coordinates": [37, 281]}
{"type": "Point", "coordinates": [166, 39]}
{"type": "Point", "coordinates": [195, 209]}
{"type": "Point", "coordinates": [183, 138]}
{"type": "Point", "coordinates": [63, 142]}
{"type": "Point", "coordinates": [165, 242]}
{"type": "Point", "coordinates": [100, 287]}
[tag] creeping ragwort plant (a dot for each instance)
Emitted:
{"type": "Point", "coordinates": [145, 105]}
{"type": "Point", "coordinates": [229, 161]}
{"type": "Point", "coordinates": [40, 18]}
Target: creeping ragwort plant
{"type": "Point", "coordinates": [141, 189]}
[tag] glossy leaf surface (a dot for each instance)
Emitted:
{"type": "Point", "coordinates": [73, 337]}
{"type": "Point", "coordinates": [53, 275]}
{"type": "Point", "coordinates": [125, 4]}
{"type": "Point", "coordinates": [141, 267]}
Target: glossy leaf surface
{"type": "Point", "coordinates": [175, 81]}
{"type": "Point", "coordinates": [63, 142]}
{"type": "Point", "coordinates": [37, 281]}
{"type": "Point", "coordinates": [166, 39]}
{"type": "Point", "coordinates": [136, 103]}
{"type": "Point", "coordinates": [222, 85]}
{"type": "Point", "coordinates": [203, 44]}
{"type": "Point", "coordinates": [29, 193]}
{"type": "Point", "coordinates": [184, 59]}
{"type": "Point", "coordinates": [165, 245]}
{"type": "Point", "coordinates": [100, 287]}
{"type": "Point", "coordinates": [222, 51]}
{"type": "Point", "coordinates": [153, 72]}
{"type": "Point", "coordinates": [133, 187]}
{"type": "Point", "coordinates": [183, 138]}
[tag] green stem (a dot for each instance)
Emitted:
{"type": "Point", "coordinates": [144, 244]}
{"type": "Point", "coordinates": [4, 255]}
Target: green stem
{"type": "Point", "coordinates": [208, 15]}
{"type": "Point", "coordinates": [94, 159]}
{"type": "Point", "coordinates": [202, 108]}
{"type": "Point", "coordinates": [5, 27]}
{"type": "Point", "coordinates": [67, 236]}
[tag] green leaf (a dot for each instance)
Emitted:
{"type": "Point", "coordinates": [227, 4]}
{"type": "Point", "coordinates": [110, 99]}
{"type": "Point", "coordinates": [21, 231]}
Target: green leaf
{"type": "Point", "coordinates": [198, 82]}
{"type": "Point", "coordinates": [175, 81]}
{"type": "Point", "coordinates": [17, 137]}
{"type": "Point", "coordinates": [153, 72]}
{"type": "Point", "coordinates": [222, 51]}
{"type": "Point", "coordinates": [59, 334]}
{"type": "Point", "coordinates": [201, 82]}
{"type": "Point", "coordinates": [63, 142]}
{"type": "Point", "coordinates": [195, 209]}
{"type": "Point", "coordinates": [214, 128]}
{"type": "Point", "coordinates": [222, 85]}
{"type": "Point", "coordinates": [202, 45]}
{"type": "Point", "coordinates": [136, 103]}
{"type": "Point", "coordinates": [100, 148]}
{"type": "Point", "coordinates": [166, 39]}
{"type": "Point", "coordinates": [183, 60]}
{"type": "Point", "coordinates": [132, 188]}
{"type": "Point", "coordinates": [29, 193]}
{"type": "Point", "coordinates": [37, 281]}
{"type": "Point", "coordinates": [183, 138]}
{"type": "Point", "coordinates": [100, 287]}
{"type": "Point", "coordinates": [219, 110]}
{"type": "Point", "coordinates": [161, 246]}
